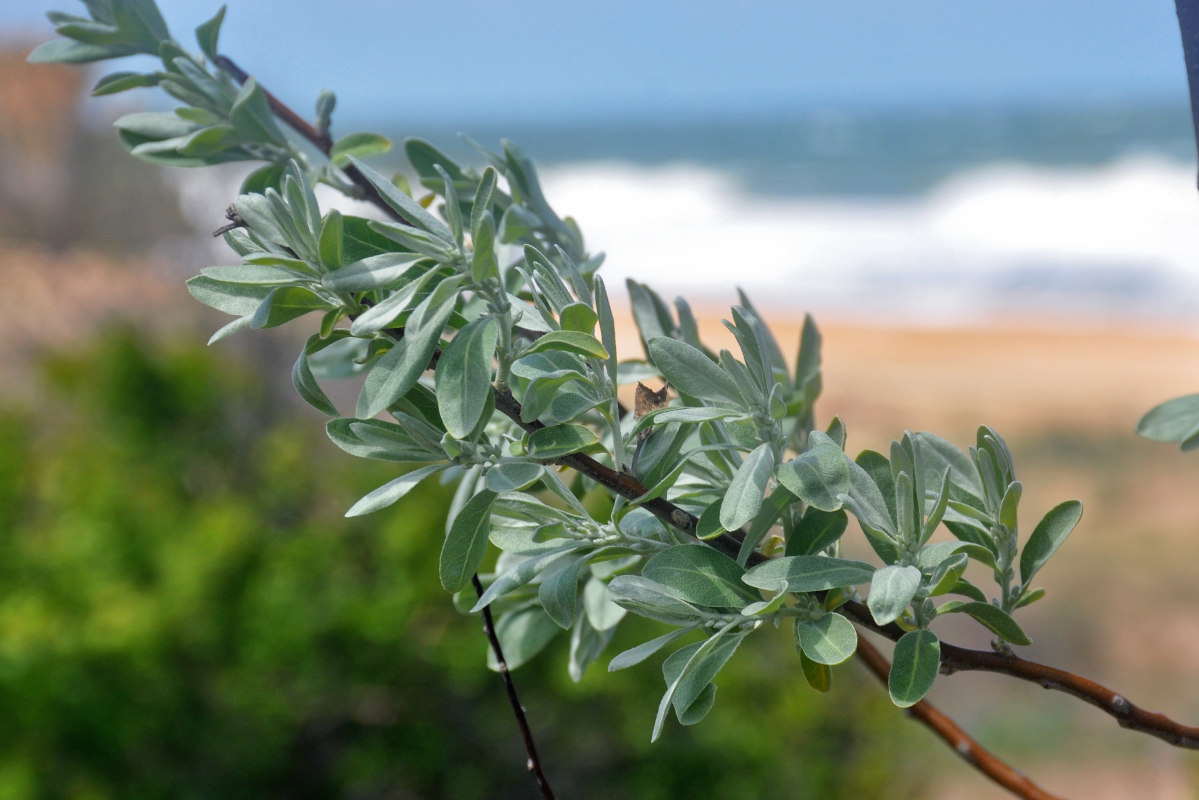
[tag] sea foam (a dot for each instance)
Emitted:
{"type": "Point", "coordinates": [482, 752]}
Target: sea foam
{"type": "Point", "coordinates": [1119, 240]}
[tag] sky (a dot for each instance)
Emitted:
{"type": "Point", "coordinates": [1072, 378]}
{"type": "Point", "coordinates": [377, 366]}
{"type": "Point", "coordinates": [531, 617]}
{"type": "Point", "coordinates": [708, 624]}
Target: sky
{"type": "Point", "coordinates": [484, 60]}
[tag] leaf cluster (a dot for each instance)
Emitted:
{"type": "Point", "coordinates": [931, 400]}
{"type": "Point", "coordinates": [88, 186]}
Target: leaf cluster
{"type": "Point", "coordinates": [487, 345]}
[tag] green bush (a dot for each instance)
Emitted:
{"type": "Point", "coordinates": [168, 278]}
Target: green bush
{"type": "Point", "coordinates": [185, 613]}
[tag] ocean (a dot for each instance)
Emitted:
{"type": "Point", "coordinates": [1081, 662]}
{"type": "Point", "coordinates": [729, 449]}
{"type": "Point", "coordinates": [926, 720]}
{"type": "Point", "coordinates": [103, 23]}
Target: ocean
{"type": "Point", "coordinates": [938, 217]}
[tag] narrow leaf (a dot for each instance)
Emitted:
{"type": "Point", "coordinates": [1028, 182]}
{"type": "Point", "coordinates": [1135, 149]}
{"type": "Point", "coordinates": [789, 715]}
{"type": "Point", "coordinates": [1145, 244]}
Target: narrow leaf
{"type": "Point", "coordinates": [747, 489]}
{"type": "Point", "coordinates": [1048, 536]}
{"type": "Point", "coordinates": [389, 493]}
{"type": "Point", "coordinates": [464, 547]}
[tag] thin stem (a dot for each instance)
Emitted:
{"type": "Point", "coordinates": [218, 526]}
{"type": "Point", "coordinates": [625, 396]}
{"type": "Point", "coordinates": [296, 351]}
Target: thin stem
{"type": "Point", "coordinates": [534, 762]}
{"type": "Point", "coordinates": [952, 734]}
{"type": "Point", "coordinates": [322, 142]}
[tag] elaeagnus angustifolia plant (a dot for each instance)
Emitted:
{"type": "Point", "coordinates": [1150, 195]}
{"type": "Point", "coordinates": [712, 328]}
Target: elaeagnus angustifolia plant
{"type": "Point", "coordinates": [486, 342]}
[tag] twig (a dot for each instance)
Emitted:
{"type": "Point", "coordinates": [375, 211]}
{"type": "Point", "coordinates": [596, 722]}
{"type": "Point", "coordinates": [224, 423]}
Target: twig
{"type": "Point", "coordinates": [1125, 712]}
{"type": "Point", "coordinates": [958, 740]}
{"type": "Point", "coordinates": [533, 764]}
{"type": "Point", "coordinates": [322, 142]}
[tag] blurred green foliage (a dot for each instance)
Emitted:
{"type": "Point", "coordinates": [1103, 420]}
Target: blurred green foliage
{"type": "Point", "coordinates": [185, 613]}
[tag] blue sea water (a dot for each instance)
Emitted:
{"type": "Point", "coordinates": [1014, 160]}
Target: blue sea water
{"type": "Point", "coordinates": [928, 217]}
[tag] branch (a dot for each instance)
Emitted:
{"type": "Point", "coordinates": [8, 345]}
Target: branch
{"type": "Point", "coordinates": [958, 740]}
{"type": "Point", "coordinates": [1126, 713]}
{"type": "Point", "coordinates": [322, 142]}
{"type": "Point", "coordinates": [953, 658]}
{"type": "Point", "coordinates": [533, 763]}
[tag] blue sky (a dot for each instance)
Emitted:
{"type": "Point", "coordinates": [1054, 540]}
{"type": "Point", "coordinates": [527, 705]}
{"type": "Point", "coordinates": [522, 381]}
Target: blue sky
{"type": "Point", "coordinates": [457, 60]}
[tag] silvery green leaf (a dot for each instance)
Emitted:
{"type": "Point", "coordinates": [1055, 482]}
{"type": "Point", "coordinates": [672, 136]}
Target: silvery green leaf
{"type": "Point", "coordinates": [829, 639]}
{"type": "Point", "coordinates": [559, 592]}
{"type": "Point", "coordinates": [809, 573]}
{"type": "Point", "coordinates": [417, 240]}
{"type": "Point", "coordinates": [453, 209]}
{"type": "Point", "coordinates": [915, 663]}
{"type": "Point", "coordinates": [522, 180]}
{"type": "Point", "coordinates": [522, 573]}
{"type": "Point", "coordinates": [1175, 420]}
{"type": "Point", "coordinates": [583, 344]}
{"type": "Point", "coordinates": [231, 298]}
{"type": "Point", "coordinates": [363, 144]}
{"type": "Point", "coordinates": [464, 547]}
{"type": "Point", "coordinates": [377, 439]}
{"type": "Point", "coordinates": [518, 224]}
{"type": "Point", "coordinates": [411, 210]}
{"type": "Point", "coordinates": [508, 476]}
{"type": "Point", "coordinates": [543, 270]}
{"type": "Point", "coordinates": [938, 456]}
{"type": "Point", "coordinates": [523, 633]}
{"type": "Point", "coordinates": [693, 373]}
{"type": "Point", "coordinates": [578, 317]}
{"type": "Point", "coordinates": [305, 383]}
{"type": "Point", "coordinates": [907, 512]}
{"type": "Point", "coordinates": [689, 672]}
{"type": "Point", "coordinates": [123, 81]}
{"type": "Point", "coordinates": [866, 503]}
{"type": "Point", "coordinates": [699, 574]}
{"type": "Point", "coordinates": [394, 374]}
{"type": "Point", "coordinates": [556, 441]}
{"type": "Point", "coordinates": [384, 270]}
{"type": "Point", "coordinates": [1048, 536]}
{"type": "Point", "coordinates": [255, 275]}
{"type": "Point", "coordinates": [586, 645]}
{"type": "Point", "coordinates": [649, 312]}
{"type": "Point", "coordinates": [744, 496]}
{"type": "Point", "coordinates": [463, 377]}
{"type": "Point", "coordinates": [651, 599]}
{"type": "Point", "coordinates": [818, 676]}
{"type": "Point", "coordinates": [940, 504]}
{"type": "Point", "coordinates": [819, 476]}
{"type": "Point", "coordinates": [891, 590]}
{"type": "Point", "coordinates": [390, 492]}
{"type": "Point", "coordinates": [483, 263]}
{"type": "Point", "coordinates": [816, 530]}
{"type": "Point", "coordinates": [994, 618]}
{"type": "Point", "coordinates": [807, 365]}
{"type": "Point", "coordinates": [1008, 506]}
{"type": "Point", "coordinates": [755, 533]}
{"type": "Point", "coordinates": [285, 304]}
{"type": "Point", "coordinates": [208, 34]}
{"type": "Point", "coordinates": [635, 655]}
{"type": "Point", "coordinates": [251, 116]}
{"type": "Point", "coordinates": [66, 51]}
{"type": "Point", "coordinates": [482, 204]}
{"type": "Point", "coordinates": [602, 612]}
{"type": "Point", "coordinates": [607, 324]}
{"type": "Point", "coordinates": [751, 392]}
{"type": "Point", "coordinates": [239, 324]}
{"type": "Point", "coordinates": [693, 414]}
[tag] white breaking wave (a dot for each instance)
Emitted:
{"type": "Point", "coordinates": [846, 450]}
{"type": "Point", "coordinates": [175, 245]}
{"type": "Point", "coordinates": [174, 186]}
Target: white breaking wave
{"type": "Point", "coordinates": [1121, 239]}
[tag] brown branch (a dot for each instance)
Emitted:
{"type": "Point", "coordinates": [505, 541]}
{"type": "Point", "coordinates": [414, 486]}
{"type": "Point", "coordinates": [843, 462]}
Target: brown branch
{"type": "Point", "coordinates": [953, 658]}
{"type": "Point", "coordinates": [1126, 713]}
{"type": "Point", "coordinates": [958, 740]}
{"type": "Point", "coordinates": [534, 762]}
{"type": "Point", "coordinates": [322, 142]}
